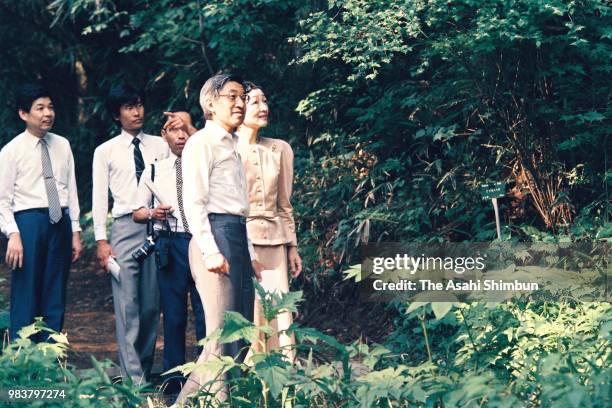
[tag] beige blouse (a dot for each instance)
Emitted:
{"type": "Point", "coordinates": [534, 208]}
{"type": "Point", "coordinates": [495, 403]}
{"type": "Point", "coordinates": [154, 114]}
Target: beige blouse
{"type": "Point", "coordinates": [269, 174]}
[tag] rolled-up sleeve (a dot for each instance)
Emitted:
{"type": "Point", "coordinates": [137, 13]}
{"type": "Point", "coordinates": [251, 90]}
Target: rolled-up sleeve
{"type": "Point", "coordinates": [285, 188]}
{"type": "Point", "coordinates": [197, 163]}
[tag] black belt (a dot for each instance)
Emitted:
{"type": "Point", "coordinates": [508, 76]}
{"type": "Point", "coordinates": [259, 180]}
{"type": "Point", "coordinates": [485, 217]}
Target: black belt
{"type": "Point", "coordinates": [172, 234]}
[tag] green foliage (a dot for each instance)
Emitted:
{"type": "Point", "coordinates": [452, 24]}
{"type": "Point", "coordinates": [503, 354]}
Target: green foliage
{"type": "Point", "coordinates": [512, 354]}
{"type": "Point", "coordinates": [24, 363]}
{"type": "Point", "coordinates": [441, 355]}
{"type": "Point", "coordinates": [426, 100]}
{"type": "Point", "coordinates": [397, 111]}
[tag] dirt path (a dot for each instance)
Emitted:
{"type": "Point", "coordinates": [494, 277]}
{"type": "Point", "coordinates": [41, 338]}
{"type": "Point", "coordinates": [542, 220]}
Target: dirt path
{"type": "Point", "coordinates": [90, 321]}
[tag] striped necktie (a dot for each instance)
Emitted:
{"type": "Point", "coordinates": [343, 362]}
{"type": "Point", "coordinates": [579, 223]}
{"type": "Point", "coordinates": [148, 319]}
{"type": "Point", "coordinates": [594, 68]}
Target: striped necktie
{"type": "Point", "coordinates": [55, 209]}
{"type": "Point", "coordinates": [179, 192]}
{"type": "Point", "coordinates": [138, 160]}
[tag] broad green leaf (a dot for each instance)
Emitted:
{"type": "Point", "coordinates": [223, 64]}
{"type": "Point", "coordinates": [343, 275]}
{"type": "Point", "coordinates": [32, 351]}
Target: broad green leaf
{"type": "Point", "coordinates": [415, 305]}
{"type": "Point", "coordinates": [275, 372]}
{"type": "Point", "coordinates": [440, 309]}
{"type": "Point", "coordinates": [236, 327]}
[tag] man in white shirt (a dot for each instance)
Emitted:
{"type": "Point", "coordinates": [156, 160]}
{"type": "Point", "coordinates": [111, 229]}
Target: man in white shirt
{"type": "Point", "coordinates": [221, 256]}
{"type": "Point", "coordinates": [117, 166]}
{"type": "Point", "coordinates": [39, 213]}
{"type": "Point", "coordinates": [171, 248]}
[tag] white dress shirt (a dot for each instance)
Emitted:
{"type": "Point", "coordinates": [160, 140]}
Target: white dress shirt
{"type": "Point", "coordinates": [114, 169]}
{"type": "Point", "coordinates": [22, 185]}
{"type": "Point", "coordinates": [213, 182]}
{"type": "Point", "coordinates": [165, 183]}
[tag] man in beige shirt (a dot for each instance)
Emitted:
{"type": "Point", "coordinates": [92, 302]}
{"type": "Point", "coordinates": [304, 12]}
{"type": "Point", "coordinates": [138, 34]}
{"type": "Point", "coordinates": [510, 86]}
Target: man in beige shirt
{"type": "Point", "coordinates": [221, 256]}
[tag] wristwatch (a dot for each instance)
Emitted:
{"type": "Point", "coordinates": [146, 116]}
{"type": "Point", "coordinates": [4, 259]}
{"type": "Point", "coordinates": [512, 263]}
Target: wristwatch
{"type": "Point", "coordinates": [150, 214]}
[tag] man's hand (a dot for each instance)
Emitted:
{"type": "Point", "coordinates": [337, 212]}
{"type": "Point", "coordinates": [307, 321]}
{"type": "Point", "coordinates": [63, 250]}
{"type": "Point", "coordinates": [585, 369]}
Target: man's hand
{"type": "Point", "coordinates": [14, 251]}
{"type": "Point", "coordinates": [295, 262]}
{"type": "Point", "coordinates": [104, 251]}
{"type": "Point", "coordinates": [76, 246]}
{"type": "Point", "coordinates": [258, 269]}
{"type": "Point", "coordinates": [161, 212]}
{"type": "Point", "coordinates": [179, 120]}
{"type": "Point", "coordinates": [217, 263]}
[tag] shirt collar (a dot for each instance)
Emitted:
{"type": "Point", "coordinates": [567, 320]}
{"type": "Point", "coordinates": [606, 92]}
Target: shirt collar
{"type": "Point", "coordinates": [217, 131]}
{"type": "Point", "coordinates": [33, 140]}
{"type": "Point", "coordinates": [172, 158]}
{"type": "Point", "coordinates": [126, 138]}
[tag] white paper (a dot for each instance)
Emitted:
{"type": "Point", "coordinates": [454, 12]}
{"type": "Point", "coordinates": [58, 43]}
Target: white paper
{"type": "Point", "coordinates": [114, 268]}
{"type": "Point", "coordinates": [156, 193]}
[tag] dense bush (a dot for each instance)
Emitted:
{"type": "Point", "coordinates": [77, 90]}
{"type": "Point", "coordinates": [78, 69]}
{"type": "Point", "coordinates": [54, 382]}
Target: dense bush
{"type": "Point", "coordinates": [440, 355]}
{"type": "Point", "coordinates": [397, 111]}
{"type": "Point", "coordinates": [25, 364]}
{"type": "Point", "coordinates": [424, 101]}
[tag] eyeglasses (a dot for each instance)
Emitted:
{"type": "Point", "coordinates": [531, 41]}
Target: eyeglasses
{"type": "Point", "coordinates": [233, 97]}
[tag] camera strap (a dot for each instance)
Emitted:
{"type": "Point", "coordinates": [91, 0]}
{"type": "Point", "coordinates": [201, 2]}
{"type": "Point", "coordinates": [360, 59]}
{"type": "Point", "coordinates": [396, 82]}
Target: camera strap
{"type": "Point", "coordinates": [150, 223]}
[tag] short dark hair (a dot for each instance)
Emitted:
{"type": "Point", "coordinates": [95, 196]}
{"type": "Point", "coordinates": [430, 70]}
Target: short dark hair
{"type": "Point", "coordinates": [212, 86]}
{"type": "Point", "coordinates": [179, 107]}
{"type": "Point", "coordinates": [28, 93]}
{"type": "Point", "coordinates": [122, 94]}
{"type": "Point", "coordinates": [249, 86]}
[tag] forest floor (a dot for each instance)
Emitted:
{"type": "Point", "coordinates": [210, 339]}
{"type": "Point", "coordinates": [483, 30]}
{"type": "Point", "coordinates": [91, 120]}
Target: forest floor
{"type": "Point", "coordinates": [90, 321]}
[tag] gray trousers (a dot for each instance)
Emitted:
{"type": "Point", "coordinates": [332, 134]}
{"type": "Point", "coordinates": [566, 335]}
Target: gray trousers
{"type": "Point", "coordinates": [136, 300]}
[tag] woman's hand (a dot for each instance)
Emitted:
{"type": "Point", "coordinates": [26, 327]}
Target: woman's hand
{"type": "Point", "coordinates": [258, 268]}
{"type": "Point", "coordinates": [295, 262]}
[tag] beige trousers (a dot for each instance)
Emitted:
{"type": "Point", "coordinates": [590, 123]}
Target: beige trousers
{"type": "Point", "coordinates": [213, 289]}
{"type": "Point", "coordinates": [274, 257]}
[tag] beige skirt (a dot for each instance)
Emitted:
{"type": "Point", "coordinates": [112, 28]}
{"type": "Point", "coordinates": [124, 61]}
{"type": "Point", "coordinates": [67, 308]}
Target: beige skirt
{"type": "Point", "coordinates": [274, 258]}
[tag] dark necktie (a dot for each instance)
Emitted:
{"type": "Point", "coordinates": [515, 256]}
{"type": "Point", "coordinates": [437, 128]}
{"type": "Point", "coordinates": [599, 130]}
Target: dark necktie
{"type": "Point", "coordinates": [179, 192]}
{"type": "Point", "coordinates": [55, 209]}
{"type": "Point", "coordinates": [138, 160]}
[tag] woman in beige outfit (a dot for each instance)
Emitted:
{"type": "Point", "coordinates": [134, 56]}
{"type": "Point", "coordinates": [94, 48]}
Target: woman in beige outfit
{"type": "Point", "coordinates": [270, 225]}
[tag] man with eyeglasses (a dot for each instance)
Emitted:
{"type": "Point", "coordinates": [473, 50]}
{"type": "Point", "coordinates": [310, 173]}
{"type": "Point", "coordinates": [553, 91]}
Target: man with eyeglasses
{"type": "Point", "coordinates": [221, 256]}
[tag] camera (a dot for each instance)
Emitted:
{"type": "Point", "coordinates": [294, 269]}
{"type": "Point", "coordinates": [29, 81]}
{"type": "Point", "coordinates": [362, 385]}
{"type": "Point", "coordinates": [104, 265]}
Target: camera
{"type": "Point", "coordinates": [141, 253]}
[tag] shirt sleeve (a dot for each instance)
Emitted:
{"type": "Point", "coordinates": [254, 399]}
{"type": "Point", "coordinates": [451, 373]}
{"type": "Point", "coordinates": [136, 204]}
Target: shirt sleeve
{"type": "Point", "coordinates": [8, 169]}
{"type": "Point", "coordinates": [99, 200]}
{"type": "Point", "coordinates": [73, 197]}
{"type": "Point", "coordinates": [197, 165]}
{"type": "Point", "coordinates": [285, 188]}
{"type": "Point", "coordinates": [143, 194]}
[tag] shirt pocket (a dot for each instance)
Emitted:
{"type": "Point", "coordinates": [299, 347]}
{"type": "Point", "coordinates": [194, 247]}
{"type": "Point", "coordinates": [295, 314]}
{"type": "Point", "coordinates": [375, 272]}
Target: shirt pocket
{"type": "Point", "coordinates": [60, 171]}
{"type": "Point", "coordinates": [120, 171]}
{"type": "Point", "coordinates": [29, 166]}
{"type": "Point", "coordinates": [226, 170]}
